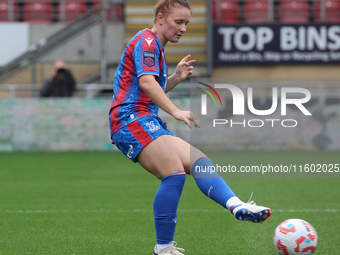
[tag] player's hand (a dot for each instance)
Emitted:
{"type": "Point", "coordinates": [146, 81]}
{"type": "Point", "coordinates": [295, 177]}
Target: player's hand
{"type": "Point", "coordinates": [186, 116]}
{"type": "Point", "coordinates": [184, 68]}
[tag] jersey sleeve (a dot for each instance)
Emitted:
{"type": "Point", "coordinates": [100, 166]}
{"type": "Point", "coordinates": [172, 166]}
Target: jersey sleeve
{"type": "Point", "coordinates": [146, 56]}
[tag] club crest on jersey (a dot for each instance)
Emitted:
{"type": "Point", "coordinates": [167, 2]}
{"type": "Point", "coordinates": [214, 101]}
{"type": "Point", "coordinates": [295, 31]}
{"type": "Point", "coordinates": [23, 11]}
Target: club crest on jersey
{"type": "Point", "coordinates": [149, 58]}
{"type": "Point", "coordinates": [152, 127]}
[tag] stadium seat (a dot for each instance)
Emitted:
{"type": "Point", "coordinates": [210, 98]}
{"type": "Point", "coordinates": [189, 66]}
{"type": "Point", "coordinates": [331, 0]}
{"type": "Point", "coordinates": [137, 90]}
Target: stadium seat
{"type": "Point", "coordinates": [293, 11]}
{"type": "Point", "coordinates": [109, 12]}
{"type": "Point", "coordinates": [226, 11]}
{"type": "Point", "coordinates": [294, 20]}
{"type": "Point", "coordinates": [4, 9]}
{"type": "Point", "coordinates": [74, 9]}
{"type": "Point", "coordinates": [255, 11]}
{"type": "Point", "coordinates": [332, 11]}
{"type": "Point", "coordinates": [119, 12]}
{"type": "Point", "coordinates": [37, 11]}
{"type": "Point", "coordinates": [115, 12]}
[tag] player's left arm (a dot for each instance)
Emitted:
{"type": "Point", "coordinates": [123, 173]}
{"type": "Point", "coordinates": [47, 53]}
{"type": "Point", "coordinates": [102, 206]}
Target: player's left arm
{"type": "Point", "coordinates": [183, 70]}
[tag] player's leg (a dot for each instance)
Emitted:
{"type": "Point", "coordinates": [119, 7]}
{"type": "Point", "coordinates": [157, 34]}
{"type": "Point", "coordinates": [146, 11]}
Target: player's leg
{"type": "Point", "coordinates": [161, 159]}
{"type": "Point", "coordinates": [210, 183]}
{"type": "Point", "coordinates": [213, 186]}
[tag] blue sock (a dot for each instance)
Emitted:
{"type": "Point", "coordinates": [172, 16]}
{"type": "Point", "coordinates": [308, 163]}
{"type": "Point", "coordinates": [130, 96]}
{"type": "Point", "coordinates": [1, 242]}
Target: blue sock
{"type": "Point", "coordinates": [165, 206]}
{"type": "Point", "coordinates": [210, 183]}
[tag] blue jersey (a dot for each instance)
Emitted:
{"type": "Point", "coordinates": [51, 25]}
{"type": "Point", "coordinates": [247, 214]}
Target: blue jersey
{"type": "Point", "coordinates": [144, 55]}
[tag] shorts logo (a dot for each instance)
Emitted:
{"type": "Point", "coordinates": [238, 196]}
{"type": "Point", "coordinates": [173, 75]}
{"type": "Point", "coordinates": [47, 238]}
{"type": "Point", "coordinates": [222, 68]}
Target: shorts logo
{"type": "Point", "coordinates": [152, 127]}
{"type": "Point", "coordinates": [130, 152]}
{"type": "Point", "coordinates": [149, 58]}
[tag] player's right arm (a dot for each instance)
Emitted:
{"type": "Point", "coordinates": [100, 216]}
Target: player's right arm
{"type": "Point", "coordinates": [151, 87]}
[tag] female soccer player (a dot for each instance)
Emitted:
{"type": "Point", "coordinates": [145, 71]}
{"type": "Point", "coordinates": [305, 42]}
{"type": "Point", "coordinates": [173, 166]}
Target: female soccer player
{"type": "Point", "coordinates": [139, 89]}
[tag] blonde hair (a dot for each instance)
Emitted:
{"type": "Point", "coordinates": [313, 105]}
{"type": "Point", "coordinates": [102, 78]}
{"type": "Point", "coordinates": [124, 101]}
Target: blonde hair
{"type": "Point", "coordinates": [165, 6]}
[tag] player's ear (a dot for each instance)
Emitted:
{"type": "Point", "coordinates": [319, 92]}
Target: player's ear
{"type": "Point", "coordinates": [160, 18]}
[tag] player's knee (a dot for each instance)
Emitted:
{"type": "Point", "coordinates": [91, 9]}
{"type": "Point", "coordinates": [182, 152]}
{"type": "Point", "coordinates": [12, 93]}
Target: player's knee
{"type": "Point", "coordinates": [177, 179]}
{"type": "Point", "coordinates": [180, 178]}
{"type": "Point", "coordinates": [170, 170]}
{"type": "Point", "coordinates": [187, 167]}
{"type": "Point", "coordinates": [178, 166]}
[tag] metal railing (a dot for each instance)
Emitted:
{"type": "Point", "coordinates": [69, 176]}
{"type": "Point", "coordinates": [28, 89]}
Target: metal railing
{"type": "Point", "coordinates": [92, 90]}
{"type": "Point", "coordinates": [330, 89]}
{"type": "Point", "coordinates": [11, 91]}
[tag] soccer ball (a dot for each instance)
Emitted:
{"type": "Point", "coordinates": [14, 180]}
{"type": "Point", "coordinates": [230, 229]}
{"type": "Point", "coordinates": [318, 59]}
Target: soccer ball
{"type": "Point", "coordinates": [295, 236]}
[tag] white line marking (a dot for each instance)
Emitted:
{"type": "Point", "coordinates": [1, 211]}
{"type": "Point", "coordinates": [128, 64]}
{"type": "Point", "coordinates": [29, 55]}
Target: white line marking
{"type": "Point", "coordinates": [179, 210]}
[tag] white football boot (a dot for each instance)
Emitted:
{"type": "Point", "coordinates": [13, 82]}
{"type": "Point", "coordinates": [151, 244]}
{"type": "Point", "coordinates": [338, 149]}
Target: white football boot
{"type": "Point", "coordinates": [172, 250]}
{"type": "Point", "coordinates": [251, 212]}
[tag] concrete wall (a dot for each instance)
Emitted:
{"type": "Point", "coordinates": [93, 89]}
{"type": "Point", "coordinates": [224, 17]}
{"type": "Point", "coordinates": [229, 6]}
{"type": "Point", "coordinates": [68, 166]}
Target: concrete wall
{"type": "Point", "coordinates": [86, 46]}
{"type": "Point", "coordinates": [82, 124]}
{"type": "Point", "coordinates": [63, 124]}
{"type": "Point", "coordinates": [82, 53]}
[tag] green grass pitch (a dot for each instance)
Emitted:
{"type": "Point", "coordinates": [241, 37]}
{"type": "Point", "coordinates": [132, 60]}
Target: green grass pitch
{"type": "Point", "coordinates": [101, 203]}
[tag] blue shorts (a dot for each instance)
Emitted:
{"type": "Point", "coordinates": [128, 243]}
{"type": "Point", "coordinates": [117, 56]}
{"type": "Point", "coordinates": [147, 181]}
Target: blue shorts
{"type": "Point", "coordinates": [132, 138]}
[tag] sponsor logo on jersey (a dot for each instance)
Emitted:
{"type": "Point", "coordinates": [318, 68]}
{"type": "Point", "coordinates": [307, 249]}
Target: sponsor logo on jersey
{"type": "Point", "coordinates": [149, 58]}
{"type": "Point", "coordinates": [149, 40]}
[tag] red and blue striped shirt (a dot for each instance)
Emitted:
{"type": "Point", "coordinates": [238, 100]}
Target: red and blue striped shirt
{"type": "Point", "coordinates": [144, 55]}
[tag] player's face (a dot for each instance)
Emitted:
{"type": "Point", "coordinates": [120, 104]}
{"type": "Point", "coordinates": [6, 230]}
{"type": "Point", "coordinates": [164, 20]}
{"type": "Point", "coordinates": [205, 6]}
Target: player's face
{"type": "Point", "coordinates": [175, 23]}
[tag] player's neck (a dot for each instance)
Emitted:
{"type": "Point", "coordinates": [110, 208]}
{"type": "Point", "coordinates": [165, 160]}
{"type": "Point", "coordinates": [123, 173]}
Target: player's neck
{"type": "Point", "coordinates": [157, 30]}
